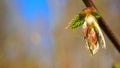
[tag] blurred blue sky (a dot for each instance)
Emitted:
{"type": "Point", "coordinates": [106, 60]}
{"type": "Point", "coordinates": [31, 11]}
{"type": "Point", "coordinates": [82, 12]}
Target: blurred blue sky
{"type": "Point", "coordinates": [36, 29]}
{"type": "Point", "coordinates": [34, 18]}
{"type": "Point", "coordinates": [30, 8]}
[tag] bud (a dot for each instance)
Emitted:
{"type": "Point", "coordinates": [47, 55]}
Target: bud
{"type": "Point", "coordinates": [92, 34]}
{"type": "Point", "coordinates": [94, 38]}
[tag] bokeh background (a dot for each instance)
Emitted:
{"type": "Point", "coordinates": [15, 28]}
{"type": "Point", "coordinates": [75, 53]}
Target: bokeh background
{"type": "Point", "coordinates": [33, 34]}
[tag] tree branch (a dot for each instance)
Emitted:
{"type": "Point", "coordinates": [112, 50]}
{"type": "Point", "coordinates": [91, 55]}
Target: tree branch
{"type": "Point", "coordinates": [104, 26]}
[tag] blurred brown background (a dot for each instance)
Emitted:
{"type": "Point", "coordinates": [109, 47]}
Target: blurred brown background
{"type": "Point", "coordinates": [37, 43]}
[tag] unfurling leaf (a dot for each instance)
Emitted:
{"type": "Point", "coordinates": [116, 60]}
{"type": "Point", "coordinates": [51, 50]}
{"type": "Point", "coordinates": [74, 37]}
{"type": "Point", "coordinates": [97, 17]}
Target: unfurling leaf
{"type": "Point", "coordinates": [91, 30]}
{"type": "Point", "coordinates": [77, 21]}
{"type": "Point", "coordinates": [95, 14]}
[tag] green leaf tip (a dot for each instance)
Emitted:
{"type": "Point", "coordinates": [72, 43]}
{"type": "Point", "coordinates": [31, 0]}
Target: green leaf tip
{"type": "Point", "coordinates": [95, 14]}
{"type": "Point", "coordinates": [77, 21]}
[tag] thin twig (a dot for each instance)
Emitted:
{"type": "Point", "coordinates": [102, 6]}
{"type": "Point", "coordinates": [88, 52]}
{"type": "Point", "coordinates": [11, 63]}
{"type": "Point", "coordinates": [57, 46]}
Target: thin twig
{"type": "Point", "coordinates": [105, 26]}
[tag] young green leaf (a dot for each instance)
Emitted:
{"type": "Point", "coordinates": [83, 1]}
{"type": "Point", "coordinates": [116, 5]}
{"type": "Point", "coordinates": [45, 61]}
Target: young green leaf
{"type": "Point", "coordinates": [95, 14]}
{"type": "Point", "coordinates": [77, 21]}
